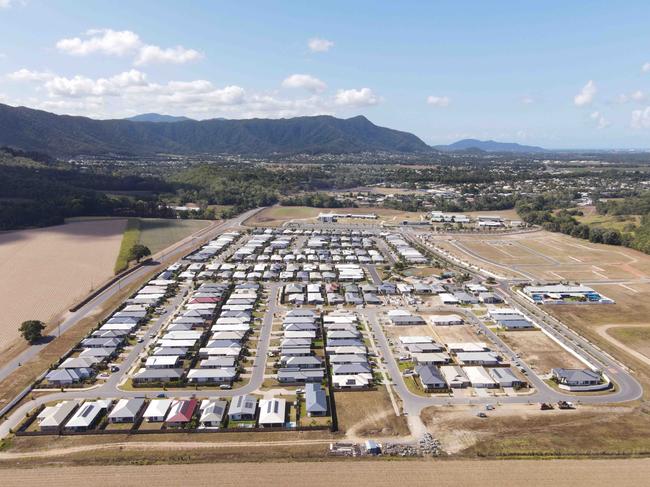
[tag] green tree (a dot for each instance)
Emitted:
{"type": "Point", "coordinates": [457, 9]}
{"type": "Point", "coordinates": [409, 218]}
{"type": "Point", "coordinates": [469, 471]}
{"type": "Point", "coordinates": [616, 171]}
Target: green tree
{"type": "Point", "coordinates": [138, 251]}
{"type": "Point", "coordinates": [32, 330]}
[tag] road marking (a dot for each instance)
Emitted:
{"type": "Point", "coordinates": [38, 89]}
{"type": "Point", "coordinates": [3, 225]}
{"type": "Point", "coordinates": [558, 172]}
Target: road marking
{"type": "Point", "coordinates": [629, 288]}
{"type": "Point", "coordinates": [574, 258]}
{"type": "Point", "coordinates": [598, 268]}
{"type": "Point", "coordinates": [556, 274]}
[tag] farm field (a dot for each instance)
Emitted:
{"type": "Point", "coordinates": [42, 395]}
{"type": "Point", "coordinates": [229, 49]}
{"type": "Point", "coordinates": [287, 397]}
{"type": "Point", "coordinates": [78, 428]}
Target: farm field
{"type": "Point", "coordinates": [539, 351]}
{"type": "Point", "coordinates": [155, 233]}
{"type": "Point", "coordinates": [277, 215]}
{"type": "Point", "coordinates": [344, 473]}
{"type": "Point", "coordinates": [44, 271]}
{"type": "Point", "coordinates": [550, 256]}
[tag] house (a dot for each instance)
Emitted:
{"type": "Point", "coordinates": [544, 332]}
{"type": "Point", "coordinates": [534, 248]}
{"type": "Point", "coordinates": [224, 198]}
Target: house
{"type": "Point", "coordinates": [446, 320]}
{"type": "Point", "coordinates": [489, 298]}
{"type": "Point", "coordinates": [66, 377]}
{"type": "Point", "coordinates": [505, 377]}
{"type": "Point", "coordinates": [162, 362]}
{"type": "Point", "coordinates": [407, 319]}
{"type": "Point", "coordinates": [242, 408]}
{"type": "Point", "coordinates": [126, 410]}
{"type": "Point", "coordinates": [157, 410]}
{"type": "Point", "coordinates": [447, 298]}
{"type": "Point", "coordinates": [212, 413]}
{"type": "Point", "coordinates": [357, 381]}
{"type": "Point", "coordinates": [315, 400]}
{"type": "Point", "coordinates": [295, 375]}
{"type": "Point", "coordinates": [348, 359]}
{"type": "Point", "coordinates": [576, 377]}
{"type": "Point", "coordinates": [88, 415]}
{"type": "Point", "coordinates": [430, 358]}
{"type": "Point", "coordinates": [479, 377]}
{"type": "Point", "coordinates": [212, 375]}
{"type": "Point", "coordinates": [51, 418]}
{"type": "Point", "coordinates": [465, 298]}
{"type": "Point", "coordinates": [478, 358]}
{"type": "Point", "coordinates": [303, 362]}
{"type": "Point", "coordinates": [454, 376]}
{"type": "Point", "coordinates": [272, 413]}
{"type": "Point", "coordinates": [157, 375]}
{"type": "Point", "coordinates": [180, 413]}
{"type": "Point", "coordinates": [351, 369]}
{"type": "Point", "coordinates": [430, 377]}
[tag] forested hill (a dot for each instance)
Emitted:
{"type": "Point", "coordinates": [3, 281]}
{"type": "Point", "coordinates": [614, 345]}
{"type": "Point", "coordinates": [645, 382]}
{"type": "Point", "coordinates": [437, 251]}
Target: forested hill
{"type": "Point", "coordinates": [66, 136]}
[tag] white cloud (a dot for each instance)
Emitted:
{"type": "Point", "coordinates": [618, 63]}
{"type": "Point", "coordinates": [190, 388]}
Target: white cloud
{"type": "Point", "coordinates": [29, 75]}
{"type": "Point", "coordinates": [356, 98]}
{"type": "Point", "coordinates": [439, 101]}
{"type": "Point", "coordinates": [105, 41]}
{"type": "Point", "coordinates": [5, 3]}
{"type": "Point", "coordinates": [317, 44]}
{"type": "Point", "coordinates": [125, 42]}
{"type": "Point", "coordinates": [601, 122]}
{"type": "Point", "coordinates": [304, 81]}
{"type": "Point", "coordinates": [641, 118]}
{"type": "Point", "coordinates": [173, 55]}
{"type": "Point", "coordinates": [646, 68]}
{"type": "Point", "coordinates": [81, 86]}
{"type": "Point", "coordinates": [527, 100]}
{"type": "Point", "coordinates": [586, 95]}
{"type": "Point", "coordinates": [636, 96]}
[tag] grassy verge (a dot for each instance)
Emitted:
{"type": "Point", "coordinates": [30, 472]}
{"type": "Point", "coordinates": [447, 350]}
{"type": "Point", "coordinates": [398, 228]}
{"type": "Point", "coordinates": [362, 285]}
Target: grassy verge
{"type": "Point", "coordinates": [129, 239]}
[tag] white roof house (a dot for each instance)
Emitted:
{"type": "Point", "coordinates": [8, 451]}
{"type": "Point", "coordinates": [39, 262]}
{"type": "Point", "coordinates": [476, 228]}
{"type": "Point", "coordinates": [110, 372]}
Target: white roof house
{"type": "Point", "coordinates": [126, 410]}
{"type": "Point", "coordinates": [157, 410]}
{"type": "Point", "coordinates": [479, 377]}
{"type": "Point", "coordinates": [86, 416]}
{"type": "Point", "coordinates": [272, 412]}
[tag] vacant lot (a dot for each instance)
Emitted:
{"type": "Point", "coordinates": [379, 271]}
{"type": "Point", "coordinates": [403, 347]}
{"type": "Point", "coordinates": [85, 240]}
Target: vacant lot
{"type": "Point", "coordinates": [539, 351]}
{"type": "Point", "coordinates": [521, 430]}
{"type": "Point", "coordinates": [635, 337]}
{"type": "Point", "coordinates": [549, 256]}
{"type": "Point", "coordinates": [596, 473]}
{"type": "Point", "coordinates": [44, 271]}
{"type": "Point", "coordinates": [277, 215]}
{"type": "Point", "coordinates": [369, 414]}
{"type": "Point", "coordinates": [456, 333]}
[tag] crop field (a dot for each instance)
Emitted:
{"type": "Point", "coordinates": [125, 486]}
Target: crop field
{"type": "Point", "coordinates": [423, 473]}
{"type": "Point", "coordinates": [550, 256]}
{"type": "Point", "coordinates": [44, 271]}
{"type": "Point", "coordinates": [155, 233]}
{"type": "Point", "coordinates": [278, 215]}
{"type": "Point", "coordinates": [539, 351]}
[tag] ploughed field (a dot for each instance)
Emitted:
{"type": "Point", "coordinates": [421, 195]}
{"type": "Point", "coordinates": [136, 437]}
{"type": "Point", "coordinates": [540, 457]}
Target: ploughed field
{"type": "Point", "coordinates": [44, 271]}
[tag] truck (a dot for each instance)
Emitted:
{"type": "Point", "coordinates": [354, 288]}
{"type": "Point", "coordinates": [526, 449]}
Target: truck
{"type": "Point", "coordinates": [565, 405]}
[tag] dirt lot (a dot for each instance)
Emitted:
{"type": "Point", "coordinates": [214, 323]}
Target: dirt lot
{"type": "Point", "coordinates": [596, 473]}
{"type": "Point", "coordinates": [521, 430]}
{"type": "Point", "coordinates": [539, 351]}
{"type": "Point", "coordinates": [456, 333]}
{"type": "Point", "coordinates": [635, 337]}
{"type": "Point", "coordinates": [369, 414]}
{"type": "Point", "coordinates": [46, 270]}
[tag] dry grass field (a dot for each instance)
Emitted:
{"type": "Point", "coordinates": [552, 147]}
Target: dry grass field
{"type": "Point", "coordinates": [277, 215]}
{"type": "Point", "coordinates": [420, 473]}
{"type": "Point", "coordinates": [351, 473]}
{"type": "Point", "coordinates": [456, 333]}
{"type": "Point", "coordinates": [550, 256]}
{"type": "Point", "coordinates": [539, 351]}
{"type": "Point", "coordinates": [524, 430]}
{"type": "Point", "coordinates": [44, 271]}
{"type": "Point", "coordinates": [635, 337]}
{"type": "Point", "coordinates": [158, 233]}
{"type": "Point", "coordinates": [369, 414]}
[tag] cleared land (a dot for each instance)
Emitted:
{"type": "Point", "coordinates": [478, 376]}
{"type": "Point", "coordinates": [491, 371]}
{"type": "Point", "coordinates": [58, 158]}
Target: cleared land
{"type": "Point", "coordinates": [369, 414]}
{"type": "Point", "coordinates": [44, 271]}
{"type": "Point", "coordinates": [635, 337]}
{"type": "Point", "coordinates": [277, 215]}
{"type": "Point", "coordinates": [539, 351]}
{"type": "Point", "coordinates": [549, 256]}
{"type": "Point", "coordinates": [348, 473]}
{"type": "Point", "coordinates": [456, 333]}
{"type": "Point", "coordinates": [523, 430]}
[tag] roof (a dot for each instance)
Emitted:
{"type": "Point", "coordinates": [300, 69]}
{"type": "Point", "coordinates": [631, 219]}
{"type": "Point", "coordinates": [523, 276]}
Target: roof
{"type": "Point", "coordinates": [272, 411]}
{"type": "Point", "coordinates": [54, 416]}
{"type": "Point", "coordinates": [85, 416]}
{"type": "Point", "coordinates": [430, 375]}
{"type": "Point", "coordinates": [181, 411]}
{"type": "Point", "coordinates": [315, 399]}
{"type": "Point", "coordinates": [577, 375]}
{"type": "Point", "coordinates": [157, 408]}
{"type": "Point", "coordinates": [212, 411]}
{"type": "Point", "coordinates": [127, 408]}
{"type": "Point", "coordinates": [245, 404]}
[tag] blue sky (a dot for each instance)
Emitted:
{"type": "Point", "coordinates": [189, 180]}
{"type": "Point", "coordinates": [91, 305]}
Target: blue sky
{"type": "Point", "coordinates": [557, 74]}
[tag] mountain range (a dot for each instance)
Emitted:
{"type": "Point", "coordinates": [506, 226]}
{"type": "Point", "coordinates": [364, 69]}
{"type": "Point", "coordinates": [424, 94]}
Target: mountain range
{"type": "Point", "coordinates": [68, 136]}
{"type": "Point", "coordinates": [157, 117]}
{"type": "Point", "coordinates": [488, 146]}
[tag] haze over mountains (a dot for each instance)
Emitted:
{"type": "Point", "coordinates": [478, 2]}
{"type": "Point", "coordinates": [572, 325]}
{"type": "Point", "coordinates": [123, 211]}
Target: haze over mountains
{"type": "Point", "coordinates": [488, 146]}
